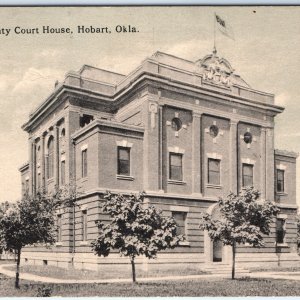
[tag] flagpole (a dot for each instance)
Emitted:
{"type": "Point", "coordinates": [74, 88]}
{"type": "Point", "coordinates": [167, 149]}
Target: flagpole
{"type": "Point", "coordinates": [214, 31]}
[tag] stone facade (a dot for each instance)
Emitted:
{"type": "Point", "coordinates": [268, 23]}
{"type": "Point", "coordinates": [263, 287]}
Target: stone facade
{"type": "Point", "coordinates": [184, 132]}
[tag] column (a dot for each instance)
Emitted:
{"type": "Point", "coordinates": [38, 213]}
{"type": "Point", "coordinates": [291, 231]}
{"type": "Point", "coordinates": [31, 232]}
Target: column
{"type": "Point", "coordinates": [263, 166]}
{"type": "Point", "coordinates": [196, 154]}
{"type": "Point", "coordinates": [56, 155]}
{"type": "Point", "coordinates": [233, 158]}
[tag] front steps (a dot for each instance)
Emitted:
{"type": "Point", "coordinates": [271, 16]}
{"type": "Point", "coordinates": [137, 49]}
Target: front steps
{"type": "Point", "coordinates": [219, 268]}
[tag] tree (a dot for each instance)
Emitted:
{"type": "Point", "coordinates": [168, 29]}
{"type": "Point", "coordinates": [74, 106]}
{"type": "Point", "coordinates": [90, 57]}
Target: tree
{"type": "Point", "coordinates": [298, 232]}
{"type": "Point", "coordinates": [243, 219]}
{"type": "Point", "coordinates": [134, 229]}
{"type": "Point", "coordinates": [27, 222]}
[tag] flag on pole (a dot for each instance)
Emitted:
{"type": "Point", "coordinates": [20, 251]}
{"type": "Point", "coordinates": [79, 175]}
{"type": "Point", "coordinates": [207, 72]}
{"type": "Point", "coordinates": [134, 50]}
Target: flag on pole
{"type": "Point", "coordinates": [224, 27]}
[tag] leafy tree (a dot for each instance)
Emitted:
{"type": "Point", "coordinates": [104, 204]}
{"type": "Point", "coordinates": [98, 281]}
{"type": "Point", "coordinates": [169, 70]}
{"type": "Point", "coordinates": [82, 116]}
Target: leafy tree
{"type": "Point", "coordinates": [134, 229]}
{"type": "Point", "coordinates": [243, 219]}
{"type": "Point", "coordinates": [298, 231]}
{"type": "Point", "coordinates": [29, 221]}
{"type": "Point", "coordinates": [33, 219]}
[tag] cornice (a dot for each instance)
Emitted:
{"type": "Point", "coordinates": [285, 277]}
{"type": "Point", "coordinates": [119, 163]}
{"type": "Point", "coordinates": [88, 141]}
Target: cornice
{"type": "Point", "coordinates": [107, 124]}
{"type": "Point", "coordinates": [287, 206]}
{"type": "Point", "coordinates": [149, 194]}
{"type": "Point", "coordinates": [236, 118]}
{"type": "Point", "coordinates": [286, 153]}
{"type": "Point", "coordinates": [24, 167]}
{"type": "Point", "coordinates": [114, 100]}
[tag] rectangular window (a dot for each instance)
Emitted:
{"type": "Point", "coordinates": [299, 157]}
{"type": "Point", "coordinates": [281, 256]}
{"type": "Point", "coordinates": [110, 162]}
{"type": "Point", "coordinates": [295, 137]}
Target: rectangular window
{"type": "Point", "coordinates": [280, 231]}
{"type": "Point", "coordinates": [214, 171]}
{"type": "Point", "coordinates": [62, 172]}
{"type": "Point", "coordinates": [280, 181]}
{"type": "Point", "coordinates": [123, 161]}
{"type": "Point", "coordinates": [84, 163]}
{"type": "Point", "coordinates": [50, 165]}
{"type": "Point", "coordinates": [175, 172]}
{"type": "Point", "coordinates": [84, 225]}
{"type": "Point", "coordinates": [180, 219]}
{"type": "Point", "coordinates": [58, 228]}
{"type": "Point", "coordinates": [247, 175]}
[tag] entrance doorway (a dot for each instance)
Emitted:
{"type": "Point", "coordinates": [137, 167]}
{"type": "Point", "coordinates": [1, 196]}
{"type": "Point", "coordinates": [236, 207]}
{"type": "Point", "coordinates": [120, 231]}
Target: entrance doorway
{"type": "Point", "coordinates": [217, 251]}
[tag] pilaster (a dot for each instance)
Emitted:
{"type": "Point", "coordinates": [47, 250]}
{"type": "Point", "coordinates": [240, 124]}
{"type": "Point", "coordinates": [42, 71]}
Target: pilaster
{"type": "Point", "coordinates": [56, 155]}
{"type": "Point", "coordinates": [33, 174]}
{"type": "Point", "coordinates": [263, 166]}
{"type": "Point", "coordinates": [30, 166]}
{"type": "Point", "coordinates": [160, 145]}
{"type": "Point", "coordinates": [196, 154]}
{"type": "Point", "coordinates": [233, 157]}
{"type": "Point", "coordinates": [152, 166]}
{"type": "Point", "coordinates": [67, 149]}
{"type": "Point", "coordinates": [43, 173]}
{"type": "Point", "coordinates": [270, 173]}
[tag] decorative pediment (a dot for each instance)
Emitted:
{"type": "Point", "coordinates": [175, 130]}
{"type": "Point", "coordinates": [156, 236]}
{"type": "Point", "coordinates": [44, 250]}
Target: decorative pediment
{"type": "Point", "coordinates": [218, 71]}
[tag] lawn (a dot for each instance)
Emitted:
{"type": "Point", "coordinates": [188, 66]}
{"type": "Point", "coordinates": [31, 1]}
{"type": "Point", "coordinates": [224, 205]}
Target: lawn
{"type": "Point", "coordinates": [107, 272]}
{"type": "Point", "coordinates": [276, 269]}
{"type": "Point", "coordinates": [192, 288]}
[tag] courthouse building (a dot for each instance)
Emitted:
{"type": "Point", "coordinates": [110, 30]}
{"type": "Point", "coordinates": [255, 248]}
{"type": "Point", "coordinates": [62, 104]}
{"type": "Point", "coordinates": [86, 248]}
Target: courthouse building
{"type": "Point", "coordinates": [184, 132]}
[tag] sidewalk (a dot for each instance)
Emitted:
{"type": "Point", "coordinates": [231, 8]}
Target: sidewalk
{"type": "Point", "coordinates": [32, 277]}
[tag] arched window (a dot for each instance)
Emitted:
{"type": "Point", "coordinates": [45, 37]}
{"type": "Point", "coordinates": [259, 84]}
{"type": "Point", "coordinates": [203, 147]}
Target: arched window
{"type": "Point", "coordinates": [62, 138]}
{"type": "Point", "coordinates": [63, 133]}
{"type": "Point", "coordinates": [50, 160]}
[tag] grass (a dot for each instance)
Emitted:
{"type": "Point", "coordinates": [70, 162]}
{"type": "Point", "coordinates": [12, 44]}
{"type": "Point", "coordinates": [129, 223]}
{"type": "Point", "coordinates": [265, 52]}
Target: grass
{"type": "Point", "coordinates": [192, 288]}
{"type": "Point", "coordinates": [106, 272]}
{"type": "Point", "coordinates": [276, 269]}
{"type": "Point", "coordinates": [5, 261]}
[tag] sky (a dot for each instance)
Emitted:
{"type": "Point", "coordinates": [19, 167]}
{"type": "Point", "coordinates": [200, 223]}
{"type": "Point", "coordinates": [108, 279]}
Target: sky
{"type": "Point", "coordinates": [265, 53]}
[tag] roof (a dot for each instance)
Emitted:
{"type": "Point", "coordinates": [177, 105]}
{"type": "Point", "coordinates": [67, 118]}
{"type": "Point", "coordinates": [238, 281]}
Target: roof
{"type": "Point", "coordinates": [211, 74]}
{"type": "Point", "coordinates": [286, 153]}
{"type": "Point", "coordinates": [98, 74]}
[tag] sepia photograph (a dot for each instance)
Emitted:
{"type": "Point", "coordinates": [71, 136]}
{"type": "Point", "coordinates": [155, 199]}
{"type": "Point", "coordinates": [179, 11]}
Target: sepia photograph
{"type": "Point", "coordinates": [149, 151]}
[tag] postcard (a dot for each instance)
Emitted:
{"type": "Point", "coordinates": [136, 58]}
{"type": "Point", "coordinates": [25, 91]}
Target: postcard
{"type": "Point", "coordinates": [149, 151]}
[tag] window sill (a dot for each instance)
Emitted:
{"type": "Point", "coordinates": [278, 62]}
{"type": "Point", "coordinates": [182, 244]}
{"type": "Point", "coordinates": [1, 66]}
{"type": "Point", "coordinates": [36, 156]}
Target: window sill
{"type": "Point", "coordinates": [214, 186]}
{"type": "Point", "coordinates": [281, 194]}
{"type": "Point", "coordinates": [125, 177]}
{"type": "Point", "coordinates": [84, 243]}
{"type": "Point", "coordinates": [58, 244]}
{"type": "Point", "coordinates": [283, 245]}
{"type": "Point", "coordinates": [184, 244]}
{"type": "Point", "coordinates": [83, 179]}
{"type": "Point", "coordinates": [177, 182]}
